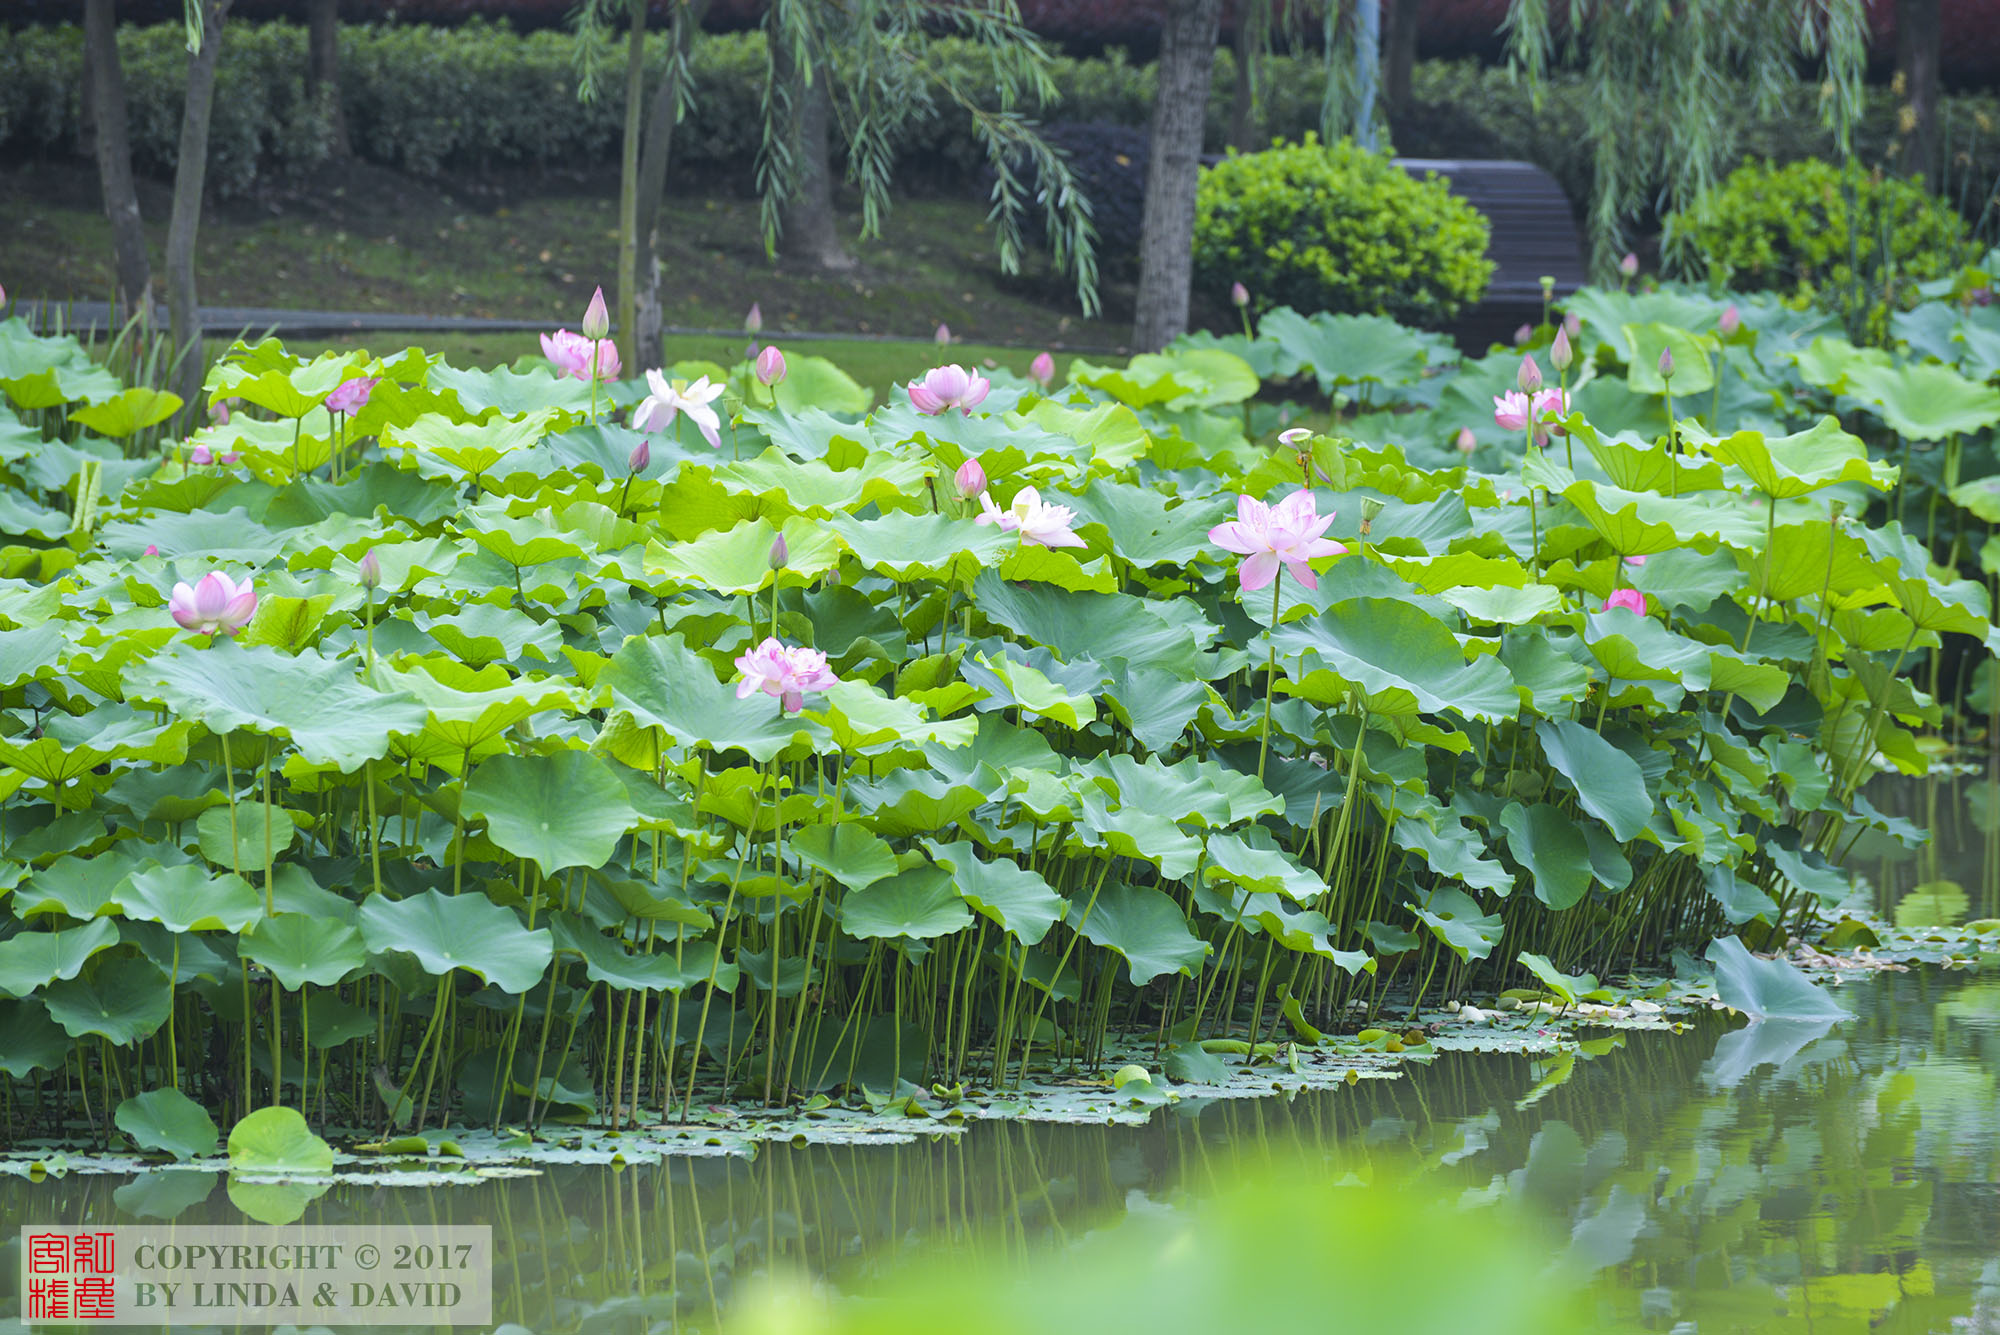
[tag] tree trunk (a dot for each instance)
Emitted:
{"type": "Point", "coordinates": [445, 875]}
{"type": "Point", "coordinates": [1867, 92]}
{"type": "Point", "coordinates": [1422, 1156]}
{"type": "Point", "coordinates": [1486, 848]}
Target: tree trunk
{"type": "Point", "coordinates": [1919, 45]}
{"type": "Point", "coordinates": [323, 73]}
{"type": "Point", "coordinates": [114, 161]}
{"type": "Point", "coordinates": [1166, 261]}
{"type": "Point", "coordinates": [1399, 58]}
{"type": "Point", "coordinates": [628, 186]}
{"type": "Point", "coordinates": [1243, 130]}
{"type": "Point", "coordinates": [649, 315]}
{"type": "Point", "coordinates": [811, 234]}
{"type": "Point", "coordinates": [190, 176]}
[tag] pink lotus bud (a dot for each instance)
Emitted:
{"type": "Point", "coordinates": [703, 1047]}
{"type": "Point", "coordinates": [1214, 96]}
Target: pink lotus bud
{"type": "Point", "coordinates": [1666, 363]}
{"type": "Point", "coordinates": [770, 364]}
{"type": "Point", "coordinates": [1523, 334]}
{"type": "Point", "coordinates": [214, 606]}
{"type": "Point", "coordinates": [3, 296]}
{"type": "Point", "coordinates": [1559, 352]}
{"type": "Point", "coordinates": [1295, 436]}
{"type": "Point", "coordinates": [1572, 324]}
{"type": "Point", "coordinates": [753, 322]}
{"type": "Point", "coordinates": [371, 570]}
{"type": "Point", "coordinates": [642, 454]}
{"type": "Point", "coordinates": [1042, 369]}
{"type": "Point", "coordinates": [596, 319]}
{"type": "Point", "coordinates": [1630, 599]}
{"type": "Point", "coordinates": [1635, 560]}
{"type": "Point", "coordinates": [1466, 442]}
{"type": "Point", "coordinates": [780, 553]}
{"type": "Point", "coordinates": [201, 456]}
{"type": "Point", "coordinates": [1629, 266]}
{"type": "Point", "coordinates": [1731, 320]}
{"type": "Point", "coordinates": [1239, 295]}
{"type": "Point", "coordinates": [1529, 377]}
{"type": "Point", "coordinates": [943, 335]}
{"type": "Point", "coordinates": [970, 479]}
{"type": "Point", "coordinates": [351, 396]}
{"type": "Point", "coordinates": [218, 412]}
{"type": "Point", "coordinates": [152, 549]}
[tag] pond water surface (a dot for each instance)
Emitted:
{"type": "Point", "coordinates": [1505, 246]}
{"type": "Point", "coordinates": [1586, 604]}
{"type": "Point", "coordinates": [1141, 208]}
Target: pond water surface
{"type": "Point", "coordinates": [1764, 1178]}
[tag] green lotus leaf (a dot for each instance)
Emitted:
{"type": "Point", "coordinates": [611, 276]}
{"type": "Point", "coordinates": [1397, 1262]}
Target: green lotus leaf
{"type": "Point", "coordinates": [73, 745]}
{"type": "Point", "coordinates": [1399, 658]}
{"type": "Point", "coordinates": [170, 1121]}
{"type": "Point", "coordinates": [845, 851]}
{"type": "Point", "coordinates": [1346, 349]}
{"type": "Point", "coordinates": [124, 1001]}
{"type": "Point", "coordinates": [29, 1040]}
{"type": "Point", "coordinates": [189, 899]}
{"type": "Point", "coordinates": [128, 412]}
{"type": "Point", "coordinates": [1111, 431]}
{"type": "Point", "coordinates": [30, 961]}
{"type": "Point", "coordinates": [1802, 463]}
{"type": "Point", "coordinates": [1307, 932]}
{"type": "Point", "coordinates": [1553, 849]}
{"type": "Point", "coordinates": [315, 702]}
{"type": "Point", "coordinates": [607, 961]}
{"type": "Point", "coordinates": [1104, 626]}
{"type": "Point", "coordinates": [1198, 792]}
{"type": "Point", "coordinates": [486, 633]}
{"type": "Point", "coordinates": [1694, 373]}
{"type": "Point", "coordinates": [1016, 897]}
{"type": "Point", "coordinates": [908, 547]}
{"type": "Point", "coordinates": [297, 949]}
{"type": "Point", "coordinates": [470, 706]}
{"type": "Point", "coordinates": [1567, 988]}
{"type": "Point", "coordinates": [1016, 683]}
{"type": "Point", "coordinates": [1740, 900]}
{"type": "Point", "coordinates": [815, 382]}
{"type": "Point", "coordinates": [914, 905]}
{"type": "Point", "coordinates": [1650, 468]}
{"type": "Point", "coordinates": [509, 391]}
{"type": "Point", "coordinates": [1455, 919]}
{"type": "Point", "coordinates": [237, 840]}
{"type": "Point", "coordinates": [658, 682]}
{"type": "Point", "coordinates": [1135, 832]}
{"type": "Point", "coordinates": [738, 560]}
{"type": "Point", "coordinates": [561, 810]}
{"type": "Point", "coordinates": [816, 489]}
{"type": "Point", "coordinates": [164, 1195]}
{"type": "Point", "coordinates": [1608, 783]}
{"type": "Point", "coordinates": [1925, 402]}
{"type": "Point", "coordinates": [1454, 851]}
{"type": "Point", "coordinates": [861, 718]}
{"type": "Point", "coordinates": [1253, 860]}
{"type": "Point", "coordinates": [469, 932]}
{"type": "Point", "coordinates": [1767, 989]}
{"type": "Point", "coordinates": [277, 1142]}
{"type": "Point", "coordinates": [1143, 926]}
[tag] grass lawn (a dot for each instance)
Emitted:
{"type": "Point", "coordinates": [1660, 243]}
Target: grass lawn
{"type": "Point", "coordinates": [366, 239]}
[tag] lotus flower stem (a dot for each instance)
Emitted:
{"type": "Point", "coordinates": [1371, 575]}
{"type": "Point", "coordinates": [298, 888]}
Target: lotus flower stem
{"type": "Point", "coordinates": [1028, 1048]}
{"type": "Point", "coordinates": [1270, 676]}
{"type": "Point", "coordinates": [722, 929]}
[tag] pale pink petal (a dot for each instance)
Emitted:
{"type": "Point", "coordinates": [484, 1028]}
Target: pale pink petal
{"type": "Point", "coordinates": [1258, 570]}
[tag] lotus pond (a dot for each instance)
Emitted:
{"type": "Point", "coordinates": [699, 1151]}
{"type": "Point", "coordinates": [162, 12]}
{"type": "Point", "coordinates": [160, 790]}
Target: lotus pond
{"type": "Point", "coordinates": [526, 764]}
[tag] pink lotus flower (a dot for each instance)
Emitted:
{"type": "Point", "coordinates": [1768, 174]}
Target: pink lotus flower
{"type": "Point", "coordinates": [943, 335]}
{"type": "Point", "coordinates": [218, 412]}
{"type": "Point", "coordinates": [657, 410]}
{"type": "Point", "coordinates": [1635, 560]}
{"type": "Point", "coordinates": [1288, 532]}
{"type": "Point", "coordinates": [1042, 369]}
{"type": "Point", "coordinates": [1035, 520]}
{"type": "Point", "coordinates": [202, 456]}
{"type": "Point", "coordinates": [1529, 376]}
{"type": "Point", "coordinates": [785, 671]}
{"type": "Point", "coordinates": [770, 365]}
{"type": "Point", "coordinates": [970, 479]}
{"type": "Point", "coordinates": [1466, 442]}
{"type": "Point", "coordinates": [215, 605]}
{"type": "Point", "coordinates": [1239, 295]}
{"type": "Point", "coordinates": [1513, 410]}
{"type": "Point", "coordinates": [1629, 266]}
{"type": "Point", "coordinates": [571, 354]}
{"type": "Point", "coordinates": [1630, 599]}
{"type": "Point", "coordinates": [1294, 436]}
{"type": "Point", "coordinates": [596, 318]}
{"type": "Point", "coordinates": [1573, 324]}
{"type": "Point", "coordinates": [351, 396]}
{"type": "Point", "coordinates": [753, 322]}
{"type": "Point", "coordinates": [1731, 321]}
{"type": "Point", "coordinates": [948, 387]}
{"type": "Point", "coordinates": [1549, 405]}
{"type": "Point", "coordinates": [152, 549]}
{"type": "Point", "coordinates": [1523, 334]}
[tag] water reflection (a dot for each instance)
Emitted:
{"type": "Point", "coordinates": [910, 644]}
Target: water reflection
{"type": "Point", "coordinates": [1767, 1179]}
{"type": "Point", "coordinates": [1952, 877]}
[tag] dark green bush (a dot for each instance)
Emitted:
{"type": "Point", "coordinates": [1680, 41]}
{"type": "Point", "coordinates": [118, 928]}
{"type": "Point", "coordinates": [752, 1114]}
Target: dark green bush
{"type": "Point", "coordinates": [1853, 241]}
{"type": "Point", "coordinates": [1337, 228]}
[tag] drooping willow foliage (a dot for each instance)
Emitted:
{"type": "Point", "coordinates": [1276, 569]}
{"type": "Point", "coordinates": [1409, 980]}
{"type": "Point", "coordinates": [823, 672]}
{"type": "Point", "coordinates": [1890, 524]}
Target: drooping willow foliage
{"type": "Point", "coordinates": [1669, 79]}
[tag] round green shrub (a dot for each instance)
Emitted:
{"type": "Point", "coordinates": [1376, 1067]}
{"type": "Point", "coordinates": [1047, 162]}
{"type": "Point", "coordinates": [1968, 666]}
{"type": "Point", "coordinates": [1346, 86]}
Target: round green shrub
{"type": "Point", "coordinates": [1850, 240]}
{"type": "Point", "coordinates": [1337, 228]}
